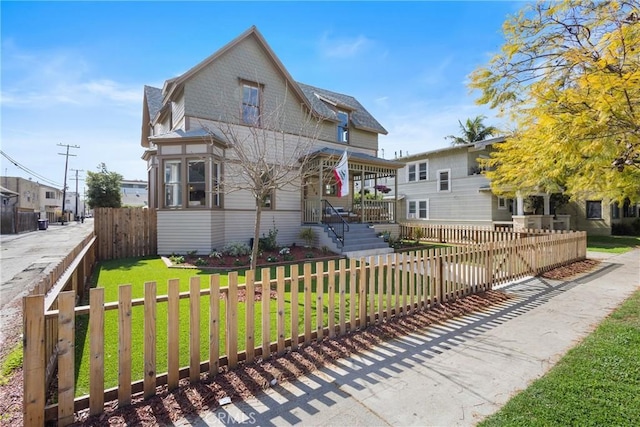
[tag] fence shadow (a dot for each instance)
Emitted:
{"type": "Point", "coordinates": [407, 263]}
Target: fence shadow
{"type": "Point", "coordinates": [324, 388]}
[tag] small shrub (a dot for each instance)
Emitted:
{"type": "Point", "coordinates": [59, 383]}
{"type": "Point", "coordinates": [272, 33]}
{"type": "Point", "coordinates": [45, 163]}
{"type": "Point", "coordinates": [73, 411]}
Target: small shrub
{"type": "Point", "coordinates": [237, 262]}
{"type": "Point", "coordinates": [192, 253]}
{"type": "Point", "coordinates": [308, 235]}
{"type": "Point", "coordinates": [325, 250]}
{"type": "Point", "coordinates": [309, 255]}
{"type": "Point", "coordinates": [200, 262]}
{"type": "Point", "coordinates": [236, 249]}
{"type": "Point", "coordinates": [269, 242]}
{"type": "Point", "coordinates": [215, 254]}
{"type": "Point", "coordinates": [289, 257]}
{"type": "Point", "coordinates": [176, 259]}
{"type": "Point", "coordinates": [272, 259]}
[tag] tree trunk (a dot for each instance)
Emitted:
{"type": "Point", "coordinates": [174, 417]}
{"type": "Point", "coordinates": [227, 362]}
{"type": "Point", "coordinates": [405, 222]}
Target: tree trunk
{"type": "Point", "coordinates": [256, 235]}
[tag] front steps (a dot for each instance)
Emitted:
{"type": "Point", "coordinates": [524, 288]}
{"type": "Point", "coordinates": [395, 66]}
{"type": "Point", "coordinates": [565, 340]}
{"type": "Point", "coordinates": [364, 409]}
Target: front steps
{"type": "Point", "coordinates": [360, 241]}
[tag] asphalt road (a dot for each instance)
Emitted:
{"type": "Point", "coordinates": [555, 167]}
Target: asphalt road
{"type": "Point", "coordinates": [24, 259]}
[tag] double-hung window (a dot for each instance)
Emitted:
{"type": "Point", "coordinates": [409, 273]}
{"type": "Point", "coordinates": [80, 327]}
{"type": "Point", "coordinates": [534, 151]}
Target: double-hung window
{"type": "Point", "coordinates": [251, 104]}
{"type": "Point", "coordinates": [215, 184]}
{"type": "Point", "coordinates": [343, 126]}
{"type": "Point", "coordinates": [418, 209]}
{"type": "Point", "coordinates": [417, 172]}
{"type": "Point", "coordinates": [444, 180]}
{"type": "Point", "coordinates": [173, 183]}
{"type": "Point", "coordinates": [197, 183]}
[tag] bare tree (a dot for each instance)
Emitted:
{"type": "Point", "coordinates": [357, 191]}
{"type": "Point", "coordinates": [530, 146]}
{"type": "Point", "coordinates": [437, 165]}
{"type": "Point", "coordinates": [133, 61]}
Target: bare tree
{"type": "Point", "coordinates": [268, 155]}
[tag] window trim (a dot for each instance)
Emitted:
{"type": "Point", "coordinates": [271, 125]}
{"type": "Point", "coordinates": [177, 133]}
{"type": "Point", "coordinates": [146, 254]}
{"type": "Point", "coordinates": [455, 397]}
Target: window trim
{"type": "Point", "coordinates": [503, 203]}
{"type": "Point", "coordinates": [260, 88]}
{"type": "Point", "coordinates": [417, 209]}
{"type": "Point", "coordinates": [196, 203]}
{"type": "Point", "coordinates": [179, 183]}
{"type": "Point", "coordinates": [343, 127]}
{"type": "Point", "coordinates": [213, 194]}
{"type": "Point", "coordinates": [440, 181]}
{"type": "Point", "coordinates": [417, 173]}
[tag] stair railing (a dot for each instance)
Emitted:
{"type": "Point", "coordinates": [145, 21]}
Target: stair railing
{"type": "Point", "coordinates": [336, 224]}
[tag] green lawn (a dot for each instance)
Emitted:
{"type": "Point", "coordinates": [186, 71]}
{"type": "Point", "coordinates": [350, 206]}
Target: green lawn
{"type": "Point", "coordinates": [612, 244]}
{"type": "Point", "coordinates": [596, 384]}
{"type": "Point", "coordinates": [109, 275]}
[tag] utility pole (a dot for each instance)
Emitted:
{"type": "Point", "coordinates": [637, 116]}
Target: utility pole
{"type": "Point", "coordinates": [66, 165]}
{"type": "Point", "coordinates": [77, 195]}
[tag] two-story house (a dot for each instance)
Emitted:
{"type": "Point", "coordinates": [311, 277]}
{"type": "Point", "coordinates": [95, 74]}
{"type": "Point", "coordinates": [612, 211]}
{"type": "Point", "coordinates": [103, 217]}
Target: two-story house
{"type": "Point", "coordinates": [191, 158]}
{"type": "Point", "coordinates": [447, 186]}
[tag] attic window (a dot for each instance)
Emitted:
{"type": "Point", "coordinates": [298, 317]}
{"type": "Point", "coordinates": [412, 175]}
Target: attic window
{"type": "Point", "coordinates": [343, 126]}
{"type": "Point", "coordinates": [251, 104]}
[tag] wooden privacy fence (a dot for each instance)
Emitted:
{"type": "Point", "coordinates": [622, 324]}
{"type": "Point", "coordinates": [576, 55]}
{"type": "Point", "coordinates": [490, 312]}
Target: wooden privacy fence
{"type": "Point", "coordinates": [461, 234]}
{"type": "Point", "coordinates": [125, 232]}
{"type": "Point", "coordinates": [322, 300]}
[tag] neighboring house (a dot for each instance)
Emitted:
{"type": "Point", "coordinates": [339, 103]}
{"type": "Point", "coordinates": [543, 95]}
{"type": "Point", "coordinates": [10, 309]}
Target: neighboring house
{"type": "Point", "coordinates": [50, 202]}
{"type": "Point", "coordinates": [134, 193]}
{"type": "Point", "coordinates": [236, 88]}
{"type": "Point", "coordinates": [447, 186]}
{"type": "Point", "coordinates": [24, 199]}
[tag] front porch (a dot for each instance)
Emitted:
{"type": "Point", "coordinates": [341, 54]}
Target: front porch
{"type": "Point", "coordinates": [364, 204]}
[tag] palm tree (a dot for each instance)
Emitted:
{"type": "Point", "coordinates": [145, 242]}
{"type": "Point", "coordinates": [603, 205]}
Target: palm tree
{"type": "Point", "coordinates": [472, 131]}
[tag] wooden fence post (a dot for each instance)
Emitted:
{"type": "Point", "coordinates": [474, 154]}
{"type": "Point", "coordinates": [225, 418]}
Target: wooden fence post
{"type": "Point", "coordinates": [214, 324]}
{"type": "Point", "coordinates": [173, 333]}
{"type": "Point", "coordinates": [232, 319]}
{"type": "Point", "coordinates": [266, 313]}
{"type": "Point", "coordinates": [66, 357]}
{"type": "Point", "coordinates": [96, 344]}
{"type": "Point", "coordinates": [150, 314]}
{"type": "Point", "coordinates": [124, 345]}
{"type": "Point", "coordinates": [33, 360]}
{"type": "Point", "coordinates": [194, 329]}
{"type": "Point", "coordinates": [250, 321]}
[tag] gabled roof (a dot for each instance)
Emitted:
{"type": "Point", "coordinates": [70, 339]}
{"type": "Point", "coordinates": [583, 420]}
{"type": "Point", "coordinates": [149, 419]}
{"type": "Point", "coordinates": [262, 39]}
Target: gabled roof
{"type": "Point", "coordinates": [172, 84]}
{"type": "Point", "coordinates": [309, 95]}
{"type": "Point", "coordinates": [154, 100]}
{"type": "Point", "coordinates": [359, 116]}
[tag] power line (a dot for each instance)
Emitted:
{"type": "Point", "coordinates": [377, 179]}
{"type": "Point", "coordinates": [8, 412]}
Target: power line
{"type": "Point", "coordinates": [29, 171]}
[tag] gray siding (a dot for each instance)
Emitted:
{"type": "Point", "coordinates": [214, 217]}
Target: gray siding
{"type": "Point", "coordinates": [215, 93]}
{"type": "Point", "coordinates": [182, 231]}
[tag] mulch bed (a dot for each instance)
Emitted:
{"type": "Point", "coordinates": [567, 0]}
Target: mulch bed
{"type": "Point", "coordinates": [571, 270]}
{"type": "Point", "coordinates": [249, 380]}
{"type": "Point", "coordinates": [225, 262]}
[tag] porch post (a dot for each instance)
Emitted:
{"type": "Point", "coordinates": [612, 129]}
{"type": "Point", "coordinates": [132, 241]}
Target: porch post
{"type": "Point", "coordinates": [547, 205]}
{"type": "Point", "coordinates": [519, 203]}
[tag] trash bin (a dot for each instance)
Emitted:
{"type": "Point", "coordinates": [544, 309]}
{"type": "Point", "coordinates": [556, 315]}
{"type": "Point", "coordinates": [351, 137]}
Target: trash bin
{"type": "Point", "coordinates": [43, 224]}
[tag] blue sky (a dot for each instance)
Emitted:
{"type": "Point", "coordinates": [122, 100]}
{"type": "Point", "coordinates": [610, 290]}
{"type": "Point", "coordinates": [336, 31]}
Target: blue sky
{"type": "Point", "coordinates": [73, 72]}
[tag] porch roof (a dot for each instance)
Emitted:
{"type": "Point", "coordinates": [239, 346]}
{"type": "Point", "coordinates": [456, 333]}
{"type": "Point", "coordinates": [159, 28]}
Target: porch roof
{"type": "Point", "coordinates": [355, 157]}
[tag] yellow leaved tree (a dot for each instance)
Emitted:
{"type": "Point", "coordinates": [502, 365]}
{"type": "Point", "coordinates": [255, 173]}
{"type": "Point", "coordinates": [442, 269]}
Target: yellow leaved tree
{"type": "Point", "coordinates": [568, 77]}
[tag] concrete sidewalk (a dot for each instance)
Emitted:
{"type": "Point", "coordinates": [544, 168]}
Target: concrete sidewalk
{"type": "Point", "coordinates": [452, 374]}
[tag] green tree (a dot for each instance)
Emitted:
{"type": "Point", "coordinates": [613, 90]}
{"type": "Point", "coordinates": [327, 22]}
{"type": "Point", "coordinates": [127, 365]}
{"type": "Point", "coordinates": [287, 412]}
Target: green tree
{"type": "Point", "coordinates": [104, 188]}
{"type": "Point", "coordinates": [568, 76]}
{"type": "Point", "coordinates": [472, 130]}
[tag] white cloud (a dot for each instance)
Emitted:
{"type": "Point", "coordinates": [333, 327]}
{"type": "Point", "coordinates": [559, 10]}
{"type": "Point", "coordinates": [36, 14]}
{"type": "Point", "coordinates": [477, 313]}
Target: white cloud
{"type": "Point", "coordinates": [46, 79]}
{"type": "Point", "coordinates": [343, 47]}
